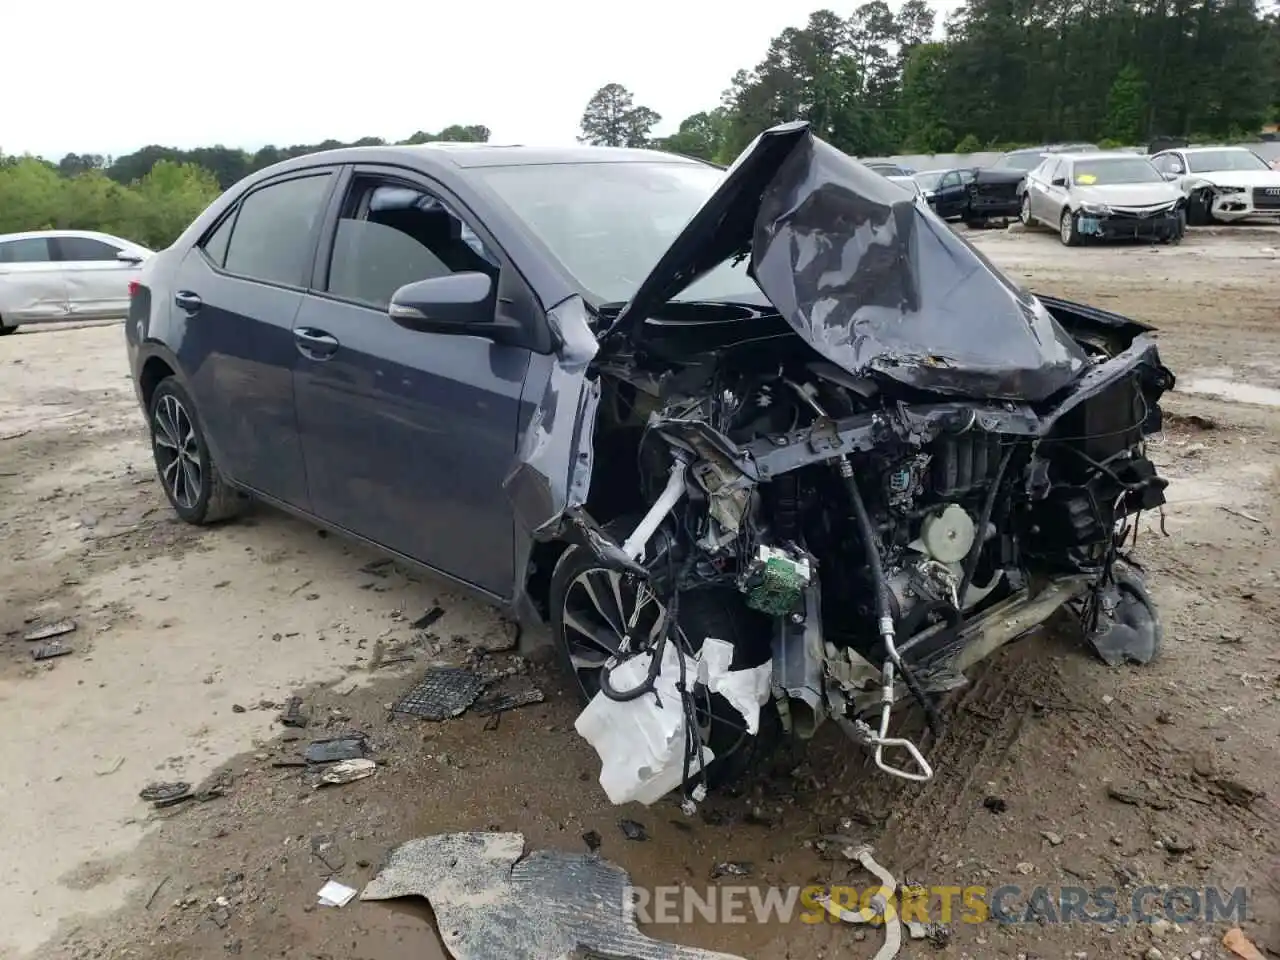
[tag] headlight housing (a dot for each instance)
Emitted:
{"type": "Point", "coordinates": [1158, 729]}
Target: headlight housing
{"type": "Point", "coordinates": [1097, 209]}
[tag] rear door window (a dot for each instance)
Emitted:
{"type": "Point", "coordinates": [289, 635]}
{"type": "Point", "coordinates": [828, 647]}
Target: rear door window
{"type": "Point", "coordinates": [85, 250]}
{"type": "Point", "coordinates": [27, 250]}
{"type": "Point", "coordinates": [273, 237]}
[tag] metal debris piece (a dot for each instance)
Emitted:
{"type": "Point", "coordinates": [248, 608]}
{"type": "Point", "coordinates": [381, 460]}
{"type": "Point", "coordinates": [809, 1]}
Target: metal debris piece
{"type": "Point", "coordinates": [633, 830]}
{"type": "Point", "coordinates": [347, 771]}
{"type": "Point", "coordinates": [592, 839]}
{"type": "Point", "coordinates": [428, 618]}
{"type": "Point", "coordinates": [731, 868]}
{"type": "Point", "coordinates": [325, 849]}
{"type": "Point", "coordinates": [490, 899]}
{"type": "Point", "coordinates": [444, 692]}
{"type": "Point", "coordinates": [47, 651]}
{"type": "Point", "coordinates": [48, 631]}
{"type": "Point", "coordinates": [332, 749]}
{"type": "Point", "coordinates": [166, 794]}
{"type": "Point", "coordinates": [293, 715]}
{"type": "Point", "coordinates": [880, 906]}
{"type": "Point", "coordinates": [501, 703]}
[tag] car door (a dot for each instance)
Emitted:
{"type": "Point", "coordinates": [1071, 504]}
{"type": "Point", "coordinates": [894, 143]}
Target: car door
{"type": "Point", "coordinates": [1054, 195]}
{"type": "Point", "coordinates": [32, 286]}
{"type": "Point", "coordinates": [97, 282]}
{"type": "Point", "coordinates": [1035, 186]}
{"type": "Point", "coordinates": [237, 292]}
{"type": "Point", "coordinates": [408, 435]}
{"type": "Point", "coordinates": [949, 200]}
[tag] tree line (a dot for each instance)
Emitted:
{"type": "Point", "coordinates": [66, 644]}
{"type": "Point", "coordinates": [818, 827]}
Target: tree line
{"type": "Point", "coordinates": [148, 196]}
{"type": "Point", "coordinates": [1006, 73]}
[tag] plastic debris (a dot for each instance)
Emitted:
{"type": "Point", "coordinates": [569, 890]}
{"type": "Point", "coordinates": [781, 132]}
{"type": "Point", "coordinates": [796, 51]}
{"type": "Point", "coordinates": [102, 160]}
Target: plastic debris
{"type": "Point", "coordinates": [633, 830]}
{"type": "Point", "coordinates": [1235, 941]}
{"type": "Point", "coordinates": [333, 749]}
{"type": "Point", "coordinates": [347, 771]}
{"type": "Point", "coordinates": [444, 692]}
{"type": "Point", "coordinates": [490, 899]}
{"type": "Point", "coordinates": [335, 894]}
{"type": "Point", "coordinates": [428, 618]}
{"type": "Point", "coordinates": [47, 651]}
{"type": "Point", "coordinates": [166, 794]}
{"type": "Point", "coordinates": [48, 631]}
{"type": "Point", "coordinates": [292, 715]}
{"type": "Point", "coordinates": [731, 868]}
{"type": "Point", "coordinates": [501, 703]}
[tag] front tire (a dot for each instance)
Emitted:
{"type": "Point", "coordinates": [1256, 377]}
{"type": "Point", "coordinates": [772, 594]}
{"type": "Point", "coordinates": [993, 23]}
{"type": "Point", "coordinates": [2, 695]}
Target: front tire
{"type": "Point", "coordinates": [5, 330]}
{"type": "Point", "coordinates": [1068, 232]}
{"type": "Point", "coordinates": [1024, 213]}
{"type": "Point", "coordinates": [192, 482]}
{"type": "Point", "coordinates": [587, 603]}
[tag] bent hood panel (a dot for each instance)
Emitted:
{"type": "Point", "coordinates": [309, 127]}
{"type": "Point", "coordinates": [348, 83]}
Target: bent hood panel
{"type": "Point", "coordinates": [868, 276]}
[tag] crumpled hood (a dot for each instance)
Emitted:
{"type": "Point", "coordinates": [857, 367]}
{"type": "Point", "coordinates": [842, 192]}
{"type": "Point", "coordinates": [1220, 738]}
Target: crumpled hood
{"type": "Point", "coordinates": [867, 275]}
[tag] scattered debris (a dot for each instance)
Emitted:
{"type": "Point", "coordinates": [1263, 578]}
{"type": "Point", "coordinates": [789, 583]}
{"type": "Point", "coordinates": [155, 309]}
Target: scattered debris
{"type": "Point", "coordinates": [501, 703]}
{"type": "Point", "coordinates": [731, 868]}
{"type": "Point", "coordinates": [592, 839]}
{"type": "Point", "coordinates": [490, 899]}
{"type": "Point", "coordinates": [428, 618]}
{"type": "Point", "coordinates": [107, 771]}
{"type": "Point", "coordinates": [213, 787]}
{"type": "Point", "coordinates": [166, 794]}
{"type": "Point", "coordinates": [1235, 792]}
{"type": "Point", "coordinates": [350, 746]}
{"type": "Point", "coordinates": [50, 630]}
{"type": "Point", "coordinates": [325, 849]}
{"type": "Point", "coordinates": [939, 934]}
{"type": "Point", "coordinates": [995, 804]}
{"type": "Point", "coordinates": [633, 830]}
{"type": "Point", "coordinates": [1235, 941]}
{"type": "Point", "coordinates": [292, 716]}
{"type": "Point", "coordinates": [1055, 839]}
{"type": "Point", "coordinates": [335, 894]}
{"type": "Point", "coordinates": [47, 651]}
{"type": "Point", "coordinates": [444, 692]}
{"type": "Point", "coordinates": [155, 892]}
{"type": "Point", "coordinates": [377, 568]}
{"type": "Point", "coordinates": [1239, 513]}
{"type": "Point", "coordinates": [347, 771]}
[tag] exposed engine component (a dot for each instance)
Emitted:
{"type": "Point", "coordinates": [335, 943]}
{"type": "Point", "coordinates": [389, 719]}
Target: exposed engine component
{"type": "Point", "coordinates": [946, 535]}
{"type": "Point", "coordinates": [775, 581]}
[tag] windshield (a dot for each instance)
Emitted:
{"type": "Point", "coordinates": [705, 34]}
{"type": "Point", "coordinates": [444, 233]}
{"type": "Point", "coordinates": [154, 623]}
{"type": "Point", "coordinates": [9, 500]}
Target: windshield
{"type": "Point", "coordinates": [610, 223]}
{"type": "Point", "coordinates": [1020, 161]}
{"type": "Point", "coordinates": [929, 179]}
{"type": "Point", "coordinates": [1088, 173]}
{"type": "Point", "coordinates": [1207, 161]}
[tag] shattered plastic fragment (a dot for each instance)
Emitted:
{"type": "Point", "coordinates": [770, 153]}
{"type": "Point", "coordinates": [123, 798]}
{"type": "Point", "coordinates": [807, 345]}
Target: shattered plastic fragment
{"type": "Point", "coordinates": [491, 900]}
{"type": "Point", "coordinates": [746, 690]}
{"type": "Point", "coordinates": [47, 651]}
{"type": "Point", "coordinates": [50, 630]}
{"type": "Point", "coordinates": [347, 771]}
{"type": "Point", "coordinates": [444, 692]}
{"type": "Point", "coordinates": [335, 894]}
{"type": "Point", "coordinates": [333, 749]}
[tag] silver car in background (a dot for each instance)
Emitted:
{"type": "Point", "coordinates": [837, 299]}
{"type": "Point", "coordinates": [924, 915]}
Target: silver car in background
{"type": "Point", "coordinates": [1108, 196]}
{"type": "Point", "coordinates": [52, 275]}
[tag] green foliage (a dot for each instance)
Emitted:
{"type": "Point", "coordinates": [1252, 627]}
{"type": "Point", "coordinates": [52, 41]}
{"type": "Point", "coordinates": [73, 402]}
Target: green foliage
{"type": "Point", "coordinates": [1126, 107]}
{"type": "Point", "coordinates": [612, 119]}
{"type": "Point", "coordinates": [968, 144]}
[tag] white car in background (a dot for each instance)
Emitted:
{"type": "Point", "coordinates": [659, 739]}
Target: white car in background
{"type": "Point", "coordinates": [1222, 184]}
{"type": "Point", "coordinates": [909, 182]}
{"type": "Point", "coordinates": [51, 275]}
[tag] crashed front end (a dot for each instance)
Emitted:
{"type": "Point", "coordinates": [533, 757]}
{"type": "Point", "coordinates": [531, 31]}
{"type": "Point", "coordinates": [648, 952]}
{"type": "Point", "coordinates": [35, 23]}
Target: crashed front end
{"type": "Point", "coordinates": [898, 462]}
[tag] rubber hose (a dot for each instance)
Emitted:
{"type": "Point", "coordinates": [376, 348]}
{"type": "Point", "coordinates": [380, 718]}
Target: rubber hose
{"type": "Point", "coordinates": [884, 599]}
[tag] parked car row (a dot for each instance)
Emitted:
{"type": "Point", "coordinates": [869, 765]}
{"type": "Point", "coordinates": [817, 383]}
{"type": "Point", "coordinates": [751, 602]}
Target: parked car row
{"type": "Point", "coordinates": [65, 275]}
{"type": "Point", "coordinates": [1084, 192]}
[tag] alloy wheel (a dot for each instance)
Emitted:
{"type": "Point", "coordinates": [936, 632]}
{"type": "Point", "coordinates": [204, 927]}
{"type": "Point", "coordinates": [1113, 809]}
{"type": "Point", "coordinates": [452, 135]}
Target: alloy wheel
{"type": "Point", "coordinates": [177, 451]}
{"type": "Point", "coordinates": [1025, 213]}
{"type": "Point", "coordinates": [601, 607]}
{"type": "Point", "coordinates": [1066, 226]}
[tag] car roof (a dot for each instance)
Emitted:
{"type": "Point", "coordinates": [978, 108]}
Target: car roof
{"type": "Point", "coordinates": [471, 155]}
{"type": "Point", "coordinates": [86, 234]}
{"type": "Point", "coordinates": [1092, 155]}
{"type": "Point", "coordinates": [1206, 149]}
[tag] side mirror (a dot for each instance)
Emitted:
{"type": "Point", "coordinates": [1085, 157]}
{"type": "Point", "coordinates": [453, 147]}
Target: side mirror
{"type": "Point", "coordinates": [1059, 181]}
{"type": "Point", "coordinates": [127, 256]}
{"type": "Point", "coordinates": [1170, 175]}
{"type": "Point", "coordinates": [460, 303]}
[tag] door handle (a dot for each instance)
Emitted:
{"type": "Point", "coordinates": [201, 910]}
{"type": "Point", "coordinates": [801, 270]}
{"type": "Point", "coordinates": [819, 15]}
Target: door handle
{"type": "Point", "coordinates": [188, 301]}
{"type": "Point", "coordinates": [315, 344]}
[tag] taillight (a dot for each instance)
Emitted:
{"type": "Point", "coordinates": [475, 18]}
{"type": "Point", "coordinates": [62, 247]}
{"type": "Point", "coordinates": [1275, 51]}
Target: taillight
{"type": "Point", "coordinates": [134, 287]}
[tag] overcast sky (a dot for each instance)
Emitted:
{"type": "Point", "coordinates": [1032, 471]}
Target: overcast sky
{"type": "Point", "coordinates": [101, 77]}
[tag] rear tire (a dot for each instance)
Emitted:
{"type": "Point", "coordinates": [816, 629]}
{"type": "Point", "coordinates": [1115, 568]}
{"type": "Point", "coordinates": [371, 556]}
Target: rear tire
{"type": "Point", "coordinates": [1024, 213]}
{"type": "Point", "coordinates": [191, 480]}
{"type": "Point", "coordinates": [705, 612]}
{"type": "Point", "coordinates": [4, 330]}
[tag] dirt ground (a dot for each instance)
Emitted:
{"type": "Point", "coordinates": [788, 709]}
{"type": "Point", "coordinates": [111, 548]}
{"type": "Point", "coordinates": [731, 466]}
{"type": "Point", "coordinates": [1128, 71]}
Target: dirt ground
{"type": "Point", "coordinates": [189, 641]}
